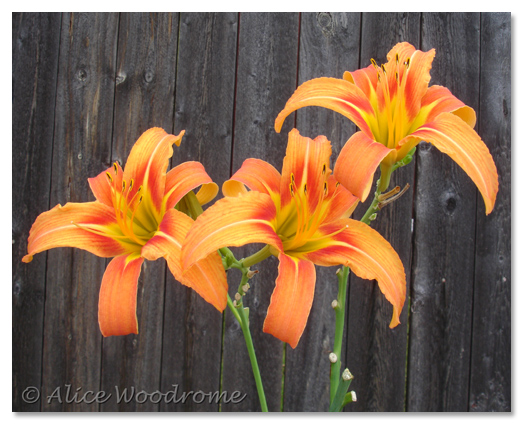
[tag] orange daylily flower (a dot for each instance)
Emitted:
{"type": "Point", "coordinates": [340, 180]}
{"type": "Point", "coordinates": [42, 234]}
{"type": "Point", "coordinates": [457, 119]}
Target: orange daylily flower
{"type": "Point", "coordinates": [132, 219]}
{"type": "Point", "coordinates": [302, 214]}
{"type": "Point", "coordinates": [394, 106]}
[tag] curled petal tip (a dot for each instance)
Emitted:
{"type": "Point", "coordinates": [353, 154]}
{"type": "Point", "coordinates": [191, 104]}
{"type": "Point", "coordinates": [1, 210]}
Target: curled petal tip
{"type": "Point", "coordinates": [27, 258]}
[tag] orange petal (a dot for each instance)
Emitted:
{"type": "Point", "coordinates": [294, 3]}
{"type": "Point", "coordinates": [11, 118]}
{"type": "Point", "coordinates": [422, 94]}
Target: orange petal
{"type": "Point", "coordinates": [366, 79]}
{"type": "Point", "coordinates": [257, 175]}
{"type": "Point", "coordinates": [147, 164]}
{"type": "Point", "coordinates": [336, 94]}
{"type": "Point", "coordinates": [454, 137]}
{"type": "Point", "coordinates": [306, 166]}
{"type": "Point", "coordinates": [117, 303]}
{"type": "Point", "coordinates": [368, 255]}
{"type": "Point", "coordinates": [235, 221]}
{"type": "Point", "coordinates": [185, 177]}
{"type": "Point", "coordinates": [207, 277]}
{"type": "Point", "coordinates": [291, 300]}
{"type": "Point", "coordinates": [59, 228]}
{"type": "Point", "coordinates": [417, 82]}
{"type": "Point", "coordinates": [439, 99]}
{"type": "Point", "coordinates": [101, 184]}
{"type": "Point", "coordinates": [339, 203]}
{"type": "Point", "coordinates": [357, 162]}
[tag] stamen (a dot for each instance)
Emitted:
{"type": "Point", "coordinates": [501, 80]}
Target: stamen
{"type": "Point", "coordinates": [336, 232]}
{"type": "Point", "coordinates": [123, 186]}
{"type": "Point", "coordinates": [97, 232]}
{"type": "Point", "coordinates": [396, 58]}
{"type": "Point", "coordinates": [324, 169]}
{"type": "Point", "coordinates": [408, 61]}
{"type": "Point", "coordinates": [374, 63]}
{"type": "Point", "coordinates": [109, 177]}
{"type": "Point", "coordinates": [115, 167]}
{"type": "Point", "coordinates": [305, 189]}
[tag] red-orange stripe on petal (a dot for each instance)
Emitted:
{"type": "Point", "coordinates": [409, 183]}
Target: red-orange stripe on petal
{"type": "Point", "coordinates": [185, 177]}
{"type": "Point", "coordinates": [207, 277]}
{"type": "Point", "coordinates": [238, 221]}
{"type": "Point", "coordinates": [306, 164]}
{"type": "Point", "coordinates": [417, 82]}
{"type": "Point", "coordinates": [336, 94]}
{"type": "Point", "coordinates": [366, 79]}
{"type": "Point", "coordinates": [452, 136]}
{"type": "Point", "coordinates": [56, 228]}
{"type": "Point", "coordinates": [117, 303]}
{"type": "Point", "coordinates": [368, 255]}
{"type": "Point", "coordinates": [291, 300]}
{"type": "Point", "coordinates": [357, 162]}
{"type": "Point", "coordinates": [147, 163]}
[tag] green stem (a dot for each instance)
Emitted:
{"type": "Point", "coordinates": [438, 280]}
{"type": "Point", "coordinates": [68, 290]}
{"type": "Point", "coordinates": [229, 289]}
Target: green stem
{"type": "Point", "coordinates": [340, 308]}
{"type": "Point", "coordinates": [257, 257]}
{"type": "Point", "coordinates": [195, 209]}
{"type": "Point", "coordinates": [240, 314]}
{"type": "Point", "coordinates": [340, 312]}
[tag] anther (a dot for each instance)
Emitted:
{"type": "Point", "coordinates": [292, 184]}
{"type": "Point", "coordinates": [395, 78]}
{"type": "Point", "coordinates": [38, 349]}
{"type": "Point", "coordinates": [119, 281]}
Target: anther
{"type": "Point", "coordinates": [396, 58]}
{"type": "Point", "coordinates": [383, 69]}
{"type": "Point", "coordinates": [291, 189]}
{"type": "Point", "coordinates": [123, 185]}
{"type": "Point", "coordinates": [115, 167]}
{"type": "Point", "coordinates": [408, 60]}
{"type": "Point", "coordinates": [325, 189]}
{"type": "Point", "coordinates": [305, 188]}
{"type": "Point", "coordinates": [324, 169]}
{"type": "Point", "coordinates": [374, 63]}
{"type": "Point", "coordinates": [109, 177]}
{"type": "Point", "coordinates": [130, 184]}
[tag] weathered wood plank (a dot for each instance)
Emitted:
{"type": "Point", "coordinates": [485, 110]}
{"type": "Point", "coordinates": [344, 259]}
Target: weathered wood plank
{"type": "Point", "coordinates": [204, 108]}
{"type": "Point", "coordinates": [444, 229]}
{"type": "Point", "coordinates": [329, 45]}
{"type": "Point", "coordinates": [376, 354]}
{"type": "Point", "coordinates": [36, 39]}
{"type": "Point", "coordinates": [72, 343]}
{"type": "Point", "coordinates": [490, 383]}
{"type": "Point", "coordinates": [266, 75]}
{"type": "Point", "coordinates": [145, 78]}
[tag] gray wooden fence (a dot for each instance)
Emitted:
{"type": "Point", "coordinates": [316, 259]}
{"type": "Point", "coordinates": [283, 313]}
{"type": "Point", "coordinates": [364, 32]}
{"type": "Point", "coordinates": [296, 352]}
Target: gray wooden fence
{"type": "Point", "coordinates": [85, 86]}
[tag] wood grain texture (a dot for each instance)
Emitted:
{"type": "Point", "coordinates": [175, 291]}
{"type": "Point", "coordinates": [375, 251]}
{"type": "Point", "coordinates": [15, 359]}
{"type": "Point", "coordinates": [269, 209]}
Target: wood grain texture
{"type": "Point", "coordinates": [267, 58]}
{"type": "Point", "coordinates": [329, 45]}
{"type": "Point", "coordinates": [444, 235]}
{"type": "Point", "coordinates": [72, 342]}
{"type": "Point", "coordinates": [204, 106]}
{"type": "Point", "coordinates": [36, 39]}
{"type": "Point", "coordinates": [490, 382]}
{"type": "Point", "coordinates": [376, 354]}
{"type": "Point", "coordinates": [144, 98]}
{"type": "Point", "coordinates": [85, 86]}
